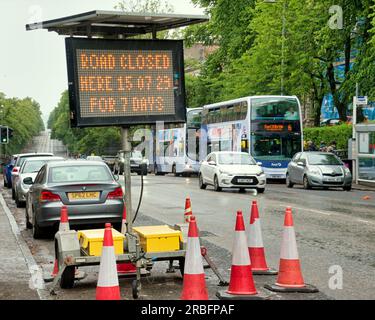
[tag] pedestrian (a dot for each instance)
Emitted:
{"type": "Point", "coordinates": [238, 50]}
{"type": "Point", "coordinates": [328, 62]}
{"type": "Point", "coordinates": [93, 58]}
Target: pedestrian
{"type": "Point", "coordinates": [311, 146]}
{"type": "Point", "coordinates": [322, 147]}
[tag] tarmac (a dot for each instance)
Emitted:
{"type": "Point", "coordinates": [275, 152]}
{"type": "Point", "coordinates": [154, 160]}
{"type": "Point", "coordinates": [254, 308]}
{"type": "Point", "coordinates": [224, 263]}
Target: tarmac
{"type": "Point", "coordinates": [19, 276]}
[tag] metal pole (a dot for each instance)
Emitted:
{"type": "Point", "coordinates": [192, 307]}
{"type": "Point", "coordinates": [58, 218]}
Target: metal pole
{"type": "Point", "coordinates": [126, 147]}
{"type": "Point", "coordinates": [354, 135]}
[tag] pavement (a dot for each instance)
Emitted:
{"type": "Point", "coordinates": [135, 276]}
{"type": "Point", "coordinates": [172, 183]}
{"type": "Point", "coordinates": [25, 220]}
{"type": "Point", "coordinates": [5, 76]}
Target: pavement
{"type": "Point", "coordinates": [16, 262]}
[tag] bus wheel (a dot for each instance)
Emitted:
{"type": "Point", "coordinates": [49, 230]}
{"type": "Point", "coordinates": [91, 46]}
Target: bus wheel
{"type": "Point", "coordinates": [201, 184]}
{"type": "Point", "coordinates": [216, 184]}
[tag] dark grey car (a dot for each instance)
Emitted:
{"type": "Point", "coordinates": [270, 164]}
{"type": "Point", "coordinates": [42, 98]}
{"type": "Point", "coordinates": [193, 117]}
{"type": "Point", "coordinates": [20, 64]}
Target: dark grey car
{"type": "Point", "coordinates": [88, 189]}
{"type": "Point", "coordinates": [318, 169]}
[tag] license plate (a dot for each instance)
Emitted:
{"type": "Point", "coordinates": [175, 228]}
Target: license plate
{"type": "Point", "coordinates": [83, 195]}
{"type": "Point", "coordinates": [276, 176]}
{"type": "Point", "coordinates": [333, 179]}
{"type": "Point", "coordinates": [245, 180]}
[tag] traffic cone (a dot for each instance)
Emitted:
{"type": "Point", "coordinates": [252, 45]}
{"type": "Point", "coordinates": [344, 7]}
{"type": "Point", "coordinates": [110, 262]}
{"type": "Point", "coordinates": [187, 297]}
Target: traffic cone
{"type": "Point", "coordinates": [108, 286]}
{"type": "Point", "coordinates": [241, 285]}
{"type": "Point", "coordinates": [188, 211]}
{"type": "Point", "coordinates": [63, 227]}
{"type": "Point", "coordinates": [64, 221]}
{"type": "Point", "coordinates": [194, 283]}
{"type": "Point", "coordinates": [290, 276]}
{"type": "Point", "coordinates": [255, 244]}
{"type": "Point", "coordinates": [125, 268]}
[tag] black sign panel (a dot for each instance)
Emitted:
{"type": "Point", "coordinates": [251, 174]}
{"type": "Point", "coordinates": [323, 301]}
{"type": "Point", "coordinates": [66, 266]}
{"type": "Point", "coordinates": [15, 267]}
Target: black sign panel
{"type": "Point", "coordinates": [125, 82]}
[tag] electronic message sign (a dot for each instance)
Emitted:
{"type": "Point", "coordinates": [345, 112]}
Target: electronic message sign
{"type": "Point", "coordinates": [125, 82]}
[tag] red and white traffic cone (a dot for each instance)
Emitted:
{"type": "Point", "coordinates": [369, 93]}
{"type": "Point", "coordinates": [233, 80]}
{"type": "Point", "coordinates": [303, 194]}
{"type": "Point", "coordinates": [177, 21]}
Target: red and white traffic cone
{"type": "Point", "coordinates": [108, 286]}
{"type": "Point", "coordinates": [194, 283]}
{"type": "Point", "coordinates": [188, 211]}
{"type": "Point", "coordinates": [63, 227]}
{"type": "Point", "coordinates": [255, 244]}
{"type": "Point", "coordinates": [64, 221]}
{"type": "Point", "coordinates": [241, 285]}
{"type": "Point", "coordinates": [125, 268]}
{"type": "Point", "coordinates": [290, 276]}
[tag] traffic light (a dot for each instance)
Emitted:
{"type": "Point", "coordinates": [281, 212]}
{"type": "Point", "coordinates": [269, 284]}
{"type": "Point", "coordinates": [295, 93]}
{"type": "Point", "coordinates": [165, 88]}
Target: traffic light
{"type": "Point", "coordinates": [4, 137]}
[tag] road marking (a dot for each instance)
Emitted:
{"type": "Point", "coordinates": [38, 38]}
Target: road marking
{"type": "Point", "coordinates": [326, 213]}
{"type": "Point", "coordinates": [365, 221]}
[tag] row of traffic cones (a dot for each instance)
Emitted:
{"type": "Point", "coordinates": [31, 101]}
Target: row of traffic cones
{"type": "Point", "coordinates": [248, 257]}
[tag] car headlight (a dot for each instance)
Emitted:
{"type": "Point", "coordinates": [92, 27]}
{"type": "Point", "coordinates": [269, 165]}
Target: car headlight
{"type": "Point", "coordinates": [347, 171]}
{"type": "Point", "coordinates": [315, 171]}
{"type": "Point", "coordinates": [224, 172]}
{"type": "Point", "coordinates": [260, 173]}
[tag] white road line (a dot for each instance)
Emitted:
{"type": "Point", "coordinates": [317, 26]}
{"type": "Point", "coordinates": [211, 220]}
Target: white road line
{"type": "Point", "coordinates": [331, 213]}
{"type": "Point", "coordinates": [326, 213]}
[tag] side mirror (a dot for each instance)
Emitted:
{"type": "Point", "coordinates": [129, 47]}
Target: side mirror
{"type": "Point", "coordinates": [259, 163]}
{"type": "Point", "coordinates": [117, 177]}
{"type": "Point", "coordinates": [28, 181]}
{"type": "Point", "coordinates": [212, 163]}
{"type": "Point", "coordinates": [300, 164]}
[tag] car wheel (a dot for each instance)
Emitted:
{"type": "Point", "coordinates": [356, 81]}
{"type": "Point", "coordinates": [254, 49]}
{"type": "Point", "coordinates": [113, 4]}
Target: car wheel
{"type": "Point", "coordinates": [216, 184]}
{"type": "Point", "coordinates": [202, 185]}
{"type": "Point", "coordinates": [261, 190]}
{"type": "Point", "coordinates": [306, 183]}
{"type": "Point", "coordinates": [18, 203]}
{"type": "Point", "coordinates": [67, 277]}
{"type": "Point", "coordinates": [157, 172]}
{"type": "Point", "coordinates": [289, 183]}
{"type": "Point", "coordinates": [38, 232]}
{"type": "Point", "coordinates": [28, 224]}
{"type": "Point", "coordinates": [348, 188]}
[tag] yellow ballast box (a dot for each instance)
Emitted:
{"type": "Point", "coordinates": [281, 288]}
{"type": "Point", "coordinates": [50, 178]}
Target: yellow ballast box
{"type": "Point", "coordinates": [91, 241]}
{"type": "Point", "coordinates": [158, 238]}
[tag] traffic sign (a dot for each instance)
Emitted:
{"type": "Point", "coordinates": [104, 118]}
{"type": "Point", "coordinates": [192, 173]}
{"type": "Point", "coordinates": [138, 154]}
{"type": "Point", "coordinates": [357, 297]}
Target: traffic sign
{"type": "Point", "coordinates": [125, 82]}
{"type": "Point", "coordinates": [361, 100]}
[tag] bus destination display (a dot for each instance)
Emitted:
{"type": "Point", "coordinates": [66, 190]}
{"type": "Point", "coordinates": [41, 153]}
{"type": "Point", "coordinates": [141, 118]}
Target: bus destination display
{"type": "Point", "coordinates": [125, 82]}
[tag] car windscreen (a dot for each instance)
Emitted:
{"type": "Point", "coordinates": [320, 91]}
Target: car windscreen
{"type": "Point", "coordinates": [77, 173]}
{"type": "Point", "coordinates": [33, 166]}
{"type": "Point", "coordinates": [323, 159]}
{"type": "Point", "coordinates": [21, 160]}
{"type": "Point", "coordinates": [235, 158]}
{"type": "Point", "coordinates": [136, 155]}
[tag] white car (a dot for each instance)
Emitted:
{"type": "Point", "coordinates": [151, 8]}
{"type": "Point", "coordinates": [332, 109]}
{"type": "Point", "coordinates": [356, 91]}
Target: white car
{"type": "Point", "coordinates": [231, 170]}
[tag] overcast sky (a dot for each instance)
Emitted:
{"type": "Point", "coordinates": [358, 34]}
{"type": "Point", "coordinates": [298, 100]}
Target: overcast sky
{"type": "Point", "coordinates": [32, 63]}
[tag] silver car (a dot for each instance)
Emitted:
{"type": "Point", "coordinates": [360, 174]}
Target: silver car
{"type": "Point", "coordinates": [29, 168]}
{"type": "Point", "coordinates": [318, 169]}
{"type": "Point", "coordinates": [20, 160]}
{"type": "Point", "coordinates": [88, 189]}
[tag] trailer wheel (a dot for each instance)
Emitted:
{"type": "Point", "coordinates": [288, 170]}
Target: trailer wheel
{"type": "Point", "coordinates": [181, 265]}
{"type": "Point", "coordinates": [67, 277]}
{"type": "Point", "coordinates": [136, 288]}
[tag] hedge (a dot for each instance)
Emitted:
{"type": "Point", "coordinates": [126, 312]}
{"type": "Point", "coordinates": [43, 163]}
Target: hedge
{"type": "Point", "coordinates": [341, 134]}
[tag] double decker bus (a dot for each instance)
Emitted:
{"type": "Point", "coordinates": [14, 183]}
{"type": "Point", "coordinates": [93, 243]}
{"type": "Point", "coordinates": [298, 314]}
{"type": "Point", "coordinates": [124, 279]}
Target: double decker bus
{"type": "Point", "coordinates": [177, 146]}
{"type": "Point", "coordinates": [267, 127]}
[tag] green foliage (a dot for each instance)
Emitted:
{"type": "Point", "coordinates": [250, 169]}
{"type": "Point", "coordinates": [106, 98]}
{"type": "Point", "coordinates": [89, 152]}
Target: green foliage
{"type": "Point", "coordinates": [83, 141]}
{"type": "Point", "coordinates": [341, 134]}
{"type": "Point", "coordinates": [24, 117]}
{"type": "Point", "coordinates": [287, 46]}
